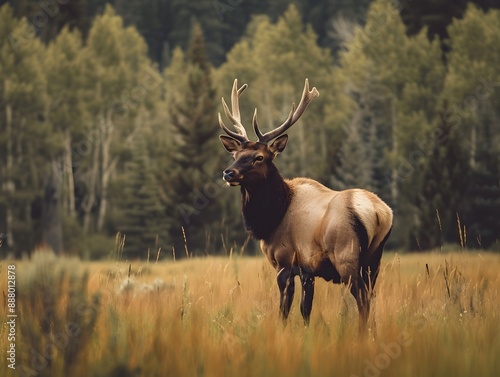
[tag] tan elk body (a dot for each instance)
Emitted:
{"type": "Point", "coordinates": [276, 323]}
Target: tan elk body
{"type": "Point", "coordinates": [304, 228]}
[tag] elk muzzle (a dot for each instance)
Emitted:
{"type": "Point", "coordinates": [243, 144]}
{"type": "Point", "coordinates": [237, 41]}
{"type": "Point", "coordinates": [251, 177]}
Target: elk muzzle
{"type": "Point", "coordinates": [230, 176]}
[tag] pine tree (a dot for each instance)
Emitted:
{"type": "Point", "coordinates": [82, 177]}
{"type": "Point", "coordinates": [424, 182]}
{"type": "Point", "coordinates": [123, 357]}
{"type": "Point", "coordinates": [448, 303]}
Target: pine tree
{"type": "Point", "coordinates": [141, 212]}
{"type": "Point", "coordinates": [445, 179]}
{"type": "Point", "coordinates": [192, 201]}
{"type": "Point", "coordinates": [483, 196]}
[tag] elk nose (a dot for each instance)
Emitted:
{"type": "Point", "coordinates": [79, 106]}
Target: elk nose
{"type": "Point", "coordinates": [228, 174]}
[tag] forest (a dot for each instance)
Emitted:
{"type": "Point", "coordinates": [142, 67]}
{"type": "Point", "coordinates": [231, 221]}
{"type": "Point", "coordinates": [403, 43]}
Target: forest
{"type": "Point", "coordinates": [109, 132]}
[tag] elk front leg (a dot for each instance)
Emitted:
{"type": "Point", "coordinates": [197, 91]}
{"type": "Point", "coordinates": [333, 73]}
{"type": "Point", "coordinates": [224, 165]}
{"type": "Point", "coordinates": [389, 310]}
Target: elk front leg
{"type": "Point", "coordinates": [286, 285]}
{"type": "Point", "coordinates": [307, 280]}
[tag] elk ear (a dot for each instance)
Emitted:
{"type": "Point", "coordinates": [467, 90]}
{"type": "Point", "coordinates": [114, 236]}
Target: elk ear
{"type": "Point", "coordinates": [231, 145]}
{"type": "Point", "coordinates": [279, 144]}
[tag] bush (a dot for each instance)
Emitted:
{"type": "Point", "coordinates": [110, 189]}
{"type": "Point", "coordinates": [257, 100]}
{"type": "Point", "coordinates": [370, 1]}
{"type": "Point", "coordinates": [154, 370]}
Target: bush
{"type": "Point", "coordinates": [97, 246]}
{"type": "Point", "coordinates": [58, 318]}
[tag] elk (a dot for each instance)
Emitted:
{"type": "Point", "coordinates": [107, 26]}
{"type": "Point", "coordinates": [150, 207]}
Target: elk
{"type": "Point", "coordinates": [304, 228]}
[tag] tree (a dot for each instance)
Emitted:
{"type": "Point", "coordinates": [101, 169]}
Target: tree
{"type": "Point", "coordinates": [48, 18]}
{"type": "Point", "coordinates": [190, 186]}
{"type": "Point", "coordinates": [354, 165]}
{"type": "Point", "coordinates": [436, 16]}
{"type": "Point", "coordinates": [66, 104]}
{"type": "Point", "coordinates": [26, 143]}
{"type": "Point", "coordinates": [120, 83]}
{"type": "Point", "coordinates": [444, 181]}
{"type": "Point", "coordinates": [483, 194]}
{"type": "Point", "coordinates": [393, 81]}
{"type": "Point", "coordinates": [471, 90]}
{"type": "Point", "coordinates": [141, 212]}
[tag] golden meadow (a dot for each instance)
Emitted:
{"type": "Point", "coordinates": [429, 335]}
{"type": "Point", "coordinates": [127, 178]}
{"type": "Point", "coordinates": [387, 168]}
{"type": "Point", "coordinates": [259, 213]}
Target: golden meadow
{"type": "Point", "coordinates": [433, 315]}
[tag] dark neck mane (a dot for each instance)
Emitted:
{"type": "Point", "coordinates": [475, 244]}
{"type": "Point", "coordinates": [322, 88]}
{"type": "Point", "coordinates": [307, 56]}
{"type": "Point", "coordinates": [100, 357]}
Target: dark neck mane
{"type": "Point", "coordinates": [265, 204]}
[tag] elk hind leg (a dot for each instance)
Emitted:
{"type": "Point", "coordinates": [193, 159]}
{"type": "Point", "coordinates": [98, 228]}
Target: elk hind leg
{"type": "Point", "coordinates": [286, 286]}
{"type": "Point", "coordinates": [373, 266]}
{"type": "Point", "coordinates": [307, 280]}
{"type": "Point", "coordinates": [360, 292]}
{"type": "Point", "coordinates": [350, 275]}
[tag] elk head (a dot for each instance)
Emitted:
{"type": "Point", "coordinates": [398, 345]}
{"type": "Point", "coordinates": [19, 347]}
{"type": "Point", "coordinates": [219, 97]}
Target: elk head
{"type": "Point", "coordinates": [253, 160]}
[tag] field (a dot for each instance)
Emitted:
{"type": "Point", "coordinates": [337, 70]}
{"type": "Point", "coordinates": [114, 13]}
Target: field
{"type": "Point", "coordinates": [433, 315]}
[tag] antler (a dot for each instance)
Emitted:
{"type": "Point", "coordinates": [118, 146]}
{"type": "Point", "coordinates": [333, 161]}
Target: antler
{"type": "Point", "coordinates": [295, 114]}
{"type": "Point", "coordinates": [234, 117]}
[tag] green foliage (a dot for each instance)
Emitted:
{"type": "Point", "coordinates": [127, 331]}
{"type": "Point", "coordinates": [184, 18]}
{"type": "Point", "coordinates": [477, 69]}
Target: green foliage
{"type": "Point", "coordinates": [95, 140]}
{"type": "Point", "coordinates": [445, 180]}
{"type": "Point", "coordinates": [140, 212]}
{"type": "Point", "coordinates": [117, 56]}
{"type": "Point", "coordinates": [190, 190]}
{"type": "Point", "coordinates": [484, 204]}
{"type": "Point", "coordinates": [393, 81]}
{"type": "Point", "coordinates": [27, 142]}
{"type": "Point", "coordinates": [121, 83]}
{"type": "Point", "coordinates": [471, 93]}
{"type": "Point", "coordinates": [65, 89]}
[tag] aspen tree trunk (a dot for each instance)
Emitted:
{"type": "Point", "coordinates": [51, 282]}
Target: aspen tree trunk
{"type": "Point", "coordinates": [90, 199]}
{"type": "Point", "coordinates": [68, 173]}
{"type": "Point", "coordinates": [52, 222]}
{"type": "Point", "coordinates": [91, 196]}
{"type": "Point", "coordinates": [9, 184]}
{"type": "Point", "coordinates": [107, 167]}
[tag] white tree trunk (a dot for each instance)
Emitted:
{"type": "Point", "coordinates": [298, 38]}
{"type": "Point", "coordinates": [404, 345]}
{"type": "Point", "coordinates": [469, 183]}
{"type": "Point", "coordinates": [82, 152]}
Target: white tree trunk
{"type": "Point", "coordinates": [89, 202]}
{"type": "Point", "coordinates": [107, 168]}
{"type": "Point", "coordinates": [68, 173]}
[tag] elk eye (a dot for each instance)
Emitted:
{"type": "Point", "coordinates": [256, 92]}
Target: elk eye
{"type": "Point", "coordinates": [259, 158]}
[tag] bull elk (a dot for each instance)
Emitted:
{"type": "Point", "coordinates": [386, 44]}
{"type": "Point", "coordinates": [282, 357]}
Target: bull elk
{"type": "Point", "coordinates": [304, 228]}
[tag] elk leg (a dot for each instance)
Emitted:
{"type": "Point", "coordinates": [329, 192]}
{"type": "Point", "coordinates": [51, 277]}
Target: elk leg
{"type": "Point", "coordinates": [286, 285]}
{"type": "Point", "coordinates": [307, 280]}
{"type": "Point", "coordinates": [360, 292]}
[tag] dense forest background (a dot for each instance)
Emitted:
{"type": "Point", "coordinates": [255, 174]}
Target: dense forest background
{"type": "Point", "coordinates": [108, 117]}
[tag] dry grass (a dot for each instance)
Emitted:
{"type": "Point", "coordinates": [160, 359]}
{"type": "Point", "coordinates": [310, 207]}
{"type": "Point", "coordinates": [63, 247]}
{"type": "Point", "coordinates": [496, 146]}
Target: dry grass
{"type": "Point", "coordinates": [219, 317]}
